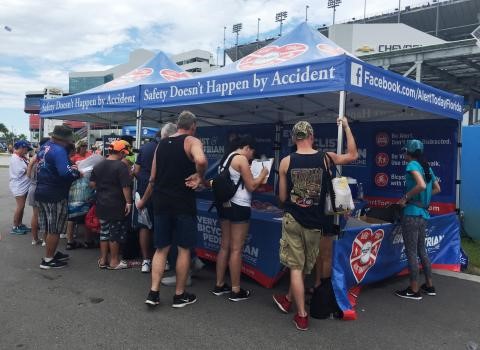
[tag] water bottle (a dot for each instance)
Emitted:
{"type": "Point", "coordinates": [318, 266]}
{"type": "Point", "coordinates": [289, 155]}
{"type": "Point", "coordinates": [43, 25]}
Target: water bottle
{"type": "Point", "coordinates": [360, 191]}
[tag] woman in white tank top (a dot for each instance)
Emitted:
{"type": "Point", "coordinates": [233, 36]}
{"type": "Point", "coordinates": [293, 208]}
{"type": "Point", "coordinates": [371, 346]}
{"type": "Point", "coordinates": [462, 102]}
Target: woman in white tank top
{"type": "Point", "coordinates": [235, 218]}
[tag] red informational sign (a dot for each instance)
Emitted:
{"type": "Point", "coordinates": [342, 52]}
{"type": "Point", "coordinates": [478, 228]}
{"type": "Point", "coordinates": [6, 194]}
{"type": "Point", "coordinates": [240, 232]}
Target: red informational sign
{"type": "Point", "coordinates": [382, 160]}
{"type": "Point", "coordinates": [382, 139]}
{"type": "Point", "coordinates": [381, 180]}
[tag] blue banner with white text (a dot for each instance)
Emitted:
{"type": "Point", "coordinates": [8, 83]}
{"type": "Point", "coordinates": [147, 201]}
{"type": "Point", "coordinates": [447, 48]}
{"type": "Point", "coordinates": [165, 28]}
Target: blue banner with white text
{"type": "Point", "coordinates": [371, 254]}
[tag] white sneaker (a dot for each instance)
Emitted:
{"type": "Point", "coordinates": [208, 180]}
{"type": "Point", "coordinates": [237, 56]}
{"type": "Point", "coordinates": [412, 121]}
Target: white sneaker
{"type": "Point", "coordinates": [167, 266]}
{"type": "Point", "coordinates": [171, 281]}
{"type": "Point", "coordinates": [37, 242]}
{"type": "Point", "coordinates": [146, 265]}
{"type": "Point", "coordinates": [63, 236]}
{"type": "Point", "coordinates": [43, 243]}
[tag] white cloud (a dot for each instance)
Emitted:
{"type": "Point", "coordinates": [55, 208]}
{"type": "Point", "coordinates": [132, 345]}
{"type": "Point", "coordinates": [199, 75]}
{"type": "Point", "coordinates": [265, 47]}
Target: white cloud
{"type": "Point", "coordinates": [49, 39]}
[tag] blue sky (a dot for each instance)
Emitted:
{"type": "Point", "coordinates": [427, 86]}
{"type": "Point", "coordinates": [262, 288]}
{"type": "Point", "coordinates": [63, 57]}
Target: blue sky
{"type": "Point", "coordinates": [46, 42]}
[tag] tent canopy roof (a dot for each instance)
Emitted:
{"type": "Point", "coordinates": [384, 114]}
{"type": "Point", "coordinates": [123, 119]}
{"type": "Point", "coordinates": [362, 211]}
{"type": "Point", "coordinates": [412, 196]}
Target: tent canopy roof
{"type": "Point", "coordinates": [298, 76]}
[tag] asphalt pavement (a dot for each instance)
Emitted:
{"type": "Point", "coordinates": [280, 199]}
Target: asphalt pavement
{"type": "Point", "coordinates": [82, 307]}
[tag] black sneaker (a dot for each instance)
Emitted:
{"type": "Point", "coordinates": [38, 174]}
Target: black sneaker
{"type": "Point", "coordinates": [221, 290]}
{"type": "Point", "coordinates": [243, 294]}
{"type": "Point", "coordinates": [428, 290]}
{"type": "Point", "coordinates": [153, 298]}
{"type": "Point", "coordinates": [183, 299]}
{"type": "Point", "coordinates": [72, 245]}
{"type": "Point", "coordinates": [52, 264]}
{"type": "Point", "coordinates": [60, 256]}
{"type": "Point", "coordinates": [408, 293]}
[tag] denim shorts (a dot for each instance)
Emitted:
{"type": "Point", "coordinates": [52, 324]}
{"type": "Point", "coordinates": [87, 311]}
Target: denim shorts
{"type": "Point", "coordinates": [234, 213]}
{"type": "Point", "coordinates": [175, 229]}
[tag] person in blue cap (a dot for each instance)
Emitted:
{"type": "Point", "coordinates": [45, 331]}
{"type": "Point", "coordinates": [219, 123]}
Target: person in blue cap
{"type": "Point", "coordinates": [421, 184]}
{"type": "Point", "coordinates": [19, 183]}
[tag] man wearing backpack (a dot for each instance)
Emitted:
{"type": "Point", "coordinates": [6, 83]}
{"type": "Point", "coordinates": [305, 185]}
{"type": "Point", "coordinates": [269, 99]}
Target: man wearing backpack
{"type": "Point", "coordinates": [177, 169]}
{"type": "Point", "coordinates": [303, 183]}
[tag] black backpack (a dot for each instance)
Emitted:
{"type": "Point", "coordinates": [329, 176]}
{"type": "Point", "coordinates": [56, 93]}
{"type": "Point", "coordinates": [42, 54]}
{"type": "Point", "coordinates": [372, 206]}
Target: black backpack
{"type": "Point", "coordinates": [323, 302]}
{"type": "Point", "coordinates": [223, 187]}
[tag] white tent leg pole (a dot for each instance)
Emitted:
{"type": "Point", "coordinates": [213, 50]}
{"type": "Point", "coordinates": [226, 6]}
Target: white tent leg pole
{"type": "Point", "coordinates": [88, 135]}
{"type": "Point", "coordinates": [341, 115]}
{"type": "Point", "coordinates": [278, 135]}
{"type": "Point", "coordinates": [138, 131]}
{"type": "Point", "coordinates": [459, 169]}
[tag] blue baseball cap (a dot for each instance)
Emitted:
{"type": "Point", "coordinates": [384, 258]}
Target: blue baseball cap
{"type": "Point", "coordinates": [413, 145]}
{"type": "Point", "coordinates": [23, 144]}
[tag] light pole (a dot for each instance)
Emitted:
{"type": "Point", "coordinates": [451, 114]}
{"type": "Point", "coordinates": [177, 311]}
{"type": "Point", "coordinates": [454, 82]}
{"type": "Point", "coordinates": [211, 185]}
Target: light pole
{"type": "Point", "coordinates": [258, 29]}
{"type": "Point", "coordinates": [334, 4]}
{"type": "Point", "coordinates": [224, 52]}
{"type": "Point", "coordinates": [280, 17]}
{"type": "Point", "coordinates": [399, 4]}
{"type": "Point", "coordinates": [365, 11]}
{"type": "Point", "coordinates": [236, 29]}
{"type": "Point", "coordinates": [306, 12]}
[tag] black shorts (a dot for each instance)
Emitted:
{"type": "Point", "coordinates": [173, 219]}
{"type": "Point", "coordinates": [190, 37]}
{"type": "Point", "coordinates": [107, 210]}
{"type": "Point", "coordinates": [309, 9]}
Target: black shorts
{"type": "Point", "coordinates": [175, 229]}
{"type": "Point", "coordinates": [235, 213]}
{"type": "Point", "coordinates": [79, 220]}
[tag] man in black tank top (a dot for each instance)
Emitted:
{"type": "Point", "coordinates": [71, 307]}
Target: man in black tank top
{"type": "Point", "coordinates": [177, 169]}
{"type": "Point", "coordinates": [306, 229]}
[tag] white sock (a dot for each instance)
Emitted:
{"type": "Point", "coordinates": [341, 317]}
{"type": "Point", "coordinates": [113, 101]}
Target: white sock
{"type": "Point", "coordinates": [47, 259]}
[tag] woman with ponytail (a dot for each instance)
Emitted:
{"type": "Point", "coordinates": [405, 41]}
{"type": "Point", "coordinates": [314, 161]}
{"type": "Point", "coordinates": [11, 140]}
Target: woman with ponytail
{"type": "Point", "coordinates": [421, 184]}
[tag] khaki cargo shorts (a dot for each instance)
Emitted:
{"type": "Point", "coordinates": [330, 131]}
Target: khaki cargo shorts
{"type": "Point", "coordinates": [299, 246]}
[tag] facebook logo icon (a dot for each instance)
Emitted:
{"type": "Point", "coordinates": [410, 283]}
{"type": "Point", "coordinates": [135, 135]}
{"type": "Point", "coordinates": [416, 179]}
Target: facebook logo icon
{"type": "Point", "coordinates": [356, 74]}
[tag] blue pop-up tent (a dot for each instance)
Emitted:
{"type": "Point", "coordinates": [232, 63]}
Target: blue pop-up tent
{"type": "Point", "coordinates": [116, 101]}
{"type": "Point", "coordinates": [305, 76]}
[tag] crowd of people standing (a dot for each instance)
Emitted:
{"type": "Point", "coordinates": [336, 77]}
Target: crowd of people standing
{"type": "Point", "coordinates": [168, 171]}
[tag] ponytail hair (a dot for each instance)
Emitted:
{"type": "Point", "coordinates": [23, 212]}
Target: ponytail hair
{"type": "Point", "coordinates": [236, 143]}
{"type": "Point", "coordinates": [419, 157]}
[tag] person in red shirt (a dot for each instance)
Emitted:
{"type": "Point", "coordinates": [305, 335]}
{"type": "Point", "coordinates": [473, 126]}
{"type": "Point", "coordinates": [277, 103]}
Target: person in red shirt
{"type": "Point", "coordinates": [81, 152]}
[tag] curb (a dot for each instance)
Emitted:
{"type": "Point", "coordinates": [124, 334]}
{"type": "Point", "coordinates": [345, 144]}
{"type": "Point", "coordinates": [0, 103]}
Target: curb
{"type": "Point", "coordinates": [459, 275]}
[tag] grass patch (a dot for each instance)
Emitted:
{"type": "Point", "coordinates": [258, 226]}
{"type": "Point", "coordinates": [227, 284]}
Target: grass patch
{"type": "Point", "coordinates": [472, 249]}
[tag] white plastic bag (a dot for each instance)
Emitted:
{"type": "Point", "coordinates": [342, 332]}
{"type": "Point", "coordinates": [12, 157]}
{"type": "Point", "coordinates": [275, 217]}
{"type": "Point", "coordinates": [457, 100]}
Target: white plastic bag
{"type": "Point", "coordinates": [343, 197]}
{"type": "Point", "coordinates": [86, 166]}
{"type": "Point", "coordinates": [143, 217]}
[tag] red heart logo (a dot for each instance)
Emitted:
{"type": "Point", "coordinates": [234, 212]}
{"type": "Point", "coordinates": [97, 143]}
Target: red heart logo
{"type": "Point", "coordinates": [364, 253]}
{"type": "Point", "coordinates": [131, 77]}
{"type": "Point", "coordinates": [173, 75]}
{"type": "Point", "coordinates": [330, 50]}
{"type": "Point", "coordinates": [271, 55]}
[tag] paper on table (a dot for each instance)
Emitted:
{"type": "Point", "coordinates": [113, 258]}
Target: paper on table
{"type": "Point", "coordinates": [258, 164]}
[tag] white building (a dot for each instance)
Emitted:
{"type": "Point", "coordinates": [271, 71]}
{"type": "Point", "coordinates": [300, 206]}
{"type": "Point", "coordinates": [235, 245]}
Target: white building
{"type": "Point", "coordinates": [195, 61]}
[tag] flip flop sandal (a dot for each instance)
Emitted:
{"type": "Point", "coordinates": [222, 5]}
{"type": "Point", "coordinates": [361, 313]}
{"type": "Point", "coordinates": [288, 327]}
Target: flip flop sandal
{"type": "Point", "coordinates": [122, 265]}
{"type": "Point", "coordinates": [101, 266]}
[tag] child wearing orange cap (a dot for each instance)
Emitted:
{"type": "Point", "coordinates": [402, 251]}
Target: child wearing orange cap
{"type": "Point", "coordinates": [111, 179]}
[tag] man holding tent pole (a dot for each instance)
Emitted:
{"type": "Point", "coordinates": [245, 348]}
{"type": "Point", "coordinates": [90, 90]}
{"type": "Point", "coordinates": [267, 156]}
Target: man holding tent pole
{"type": "Point", "coordinates": [303, 179]}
